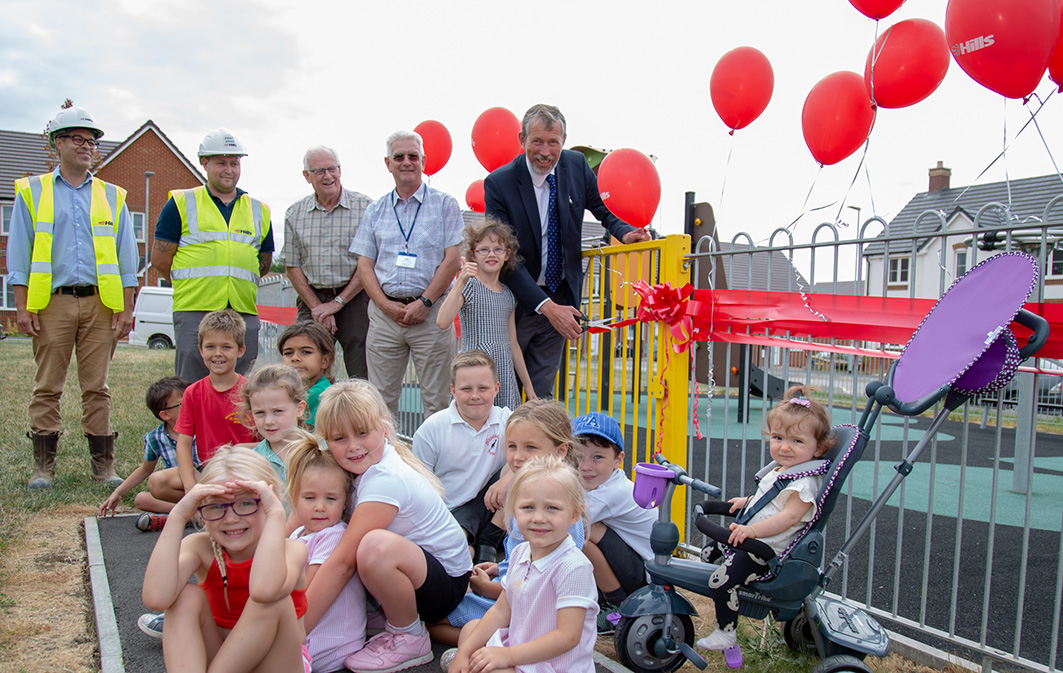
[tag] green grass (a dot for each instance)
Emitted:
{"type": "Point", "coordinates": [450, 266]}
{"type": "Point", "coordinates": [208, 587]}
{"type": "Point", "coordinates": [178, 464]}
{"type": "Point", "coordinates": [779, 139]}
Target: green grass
{"type": "Point", "coordinates": [132, 371]}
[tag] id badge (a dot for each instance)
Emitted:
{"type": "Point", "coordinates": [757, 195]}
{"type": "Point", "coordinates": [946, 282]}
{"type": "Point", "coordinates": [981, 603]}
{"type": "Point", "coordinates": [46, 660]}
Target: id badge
{"type": "Point", "coordinates": [406, 260]}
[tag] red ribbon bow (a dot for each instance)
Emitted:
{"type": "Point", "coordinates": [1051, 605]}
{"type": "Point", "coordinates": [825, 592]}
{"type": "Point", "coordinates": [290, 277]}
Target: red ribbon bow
{"type": "Point", "coordinates": [666, 304]}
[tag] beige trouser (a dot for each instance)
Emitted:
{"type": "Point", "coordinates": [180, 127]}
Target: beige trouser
{"type": "Point", "coordinates": [388, 350]}
{"type": "Point", "coordinates": [67, 324]}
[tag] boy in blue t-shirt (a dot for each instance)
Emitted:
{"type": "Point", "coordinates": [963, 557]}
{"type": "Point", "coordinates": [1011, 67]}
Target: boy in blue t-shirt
{"type": "Point", "coordinates": [164, 487]}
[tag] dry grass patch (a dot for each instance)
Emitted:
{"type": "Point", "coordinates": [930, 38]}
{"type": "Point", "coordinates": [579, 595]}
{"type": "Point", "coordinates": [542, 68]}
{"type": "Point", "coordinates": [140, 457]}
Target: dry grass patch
{"type": "Point", "coordinates": [47, 612]}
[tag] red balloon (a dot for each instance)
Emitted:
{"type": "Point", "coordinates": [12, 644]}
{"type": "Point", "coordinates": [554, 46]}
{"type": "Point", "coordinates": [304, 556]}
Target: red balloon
{"type": "Point", "coordinates": [437, 145]}
{"type": "Point", "coordinates": [876, 9]}
{"type": "Point", "coordinates": [741, 86]}
{"type": "Point", "coordinates": [630, 186]}
{"type": "Point", "coordinates": [837, 117]}
{"type": "Point", "coordinates": [910, 60]}
{"type": "Point", "coordinates": [474, 196]}
{"type": "Point", "coordinates": [1055, 67]}
{"type": "Point", "coordinates": [1004, 45]}
{"type": "Point", "coordinates": [494, 138]}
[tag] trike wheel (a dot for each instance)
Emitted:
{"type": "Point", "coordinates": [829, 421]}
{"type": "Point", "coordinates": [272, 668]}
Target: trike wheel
{"type": "Point", "coordinates": [797, 633]}
{"type": "Point", "coordinates": [841, 663]}
{"type": "Point", "coordinates": [638, 641]}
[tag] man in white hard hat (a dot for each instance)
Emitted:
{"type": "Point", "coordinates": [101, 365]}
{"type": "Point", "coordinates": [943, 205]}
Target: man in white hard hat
{"type": "Point", "coordinates": [407, 249]}
{"type": "Point", "coordinates": [213, 243]}
{"type": "Point", "coordinates": [318, 229]}
{"type": "Point", "coordinates": [72, 259]}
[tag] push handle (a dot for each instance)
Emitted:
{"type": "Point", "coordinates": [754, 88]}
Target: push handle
{"type": "Point", "coordinates": [1040, 329]}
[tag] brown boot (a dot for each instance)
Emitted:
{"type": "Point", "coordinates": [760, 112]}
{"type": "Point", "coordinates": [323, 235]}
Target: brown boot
{"type": "Point", "coordinates": [45, 447]}
{"type": "Point", "coordinates": [101, 448]}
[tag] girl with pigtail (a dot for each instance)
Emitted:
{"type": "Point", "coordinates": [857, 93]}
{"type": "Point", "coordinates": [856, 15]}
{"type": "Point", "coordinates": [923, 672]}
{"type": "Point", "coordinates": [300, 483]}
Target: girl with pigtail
{"type": "Point", "coordinates": [245, 612]}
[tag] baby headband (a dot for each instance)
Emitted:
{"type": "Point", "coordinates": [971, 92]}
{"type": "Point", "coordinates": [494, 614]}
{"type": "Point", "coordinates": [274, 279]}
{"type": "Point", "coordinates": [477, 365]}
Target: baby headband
{"type": "Point", "coordinates": [807, 404]}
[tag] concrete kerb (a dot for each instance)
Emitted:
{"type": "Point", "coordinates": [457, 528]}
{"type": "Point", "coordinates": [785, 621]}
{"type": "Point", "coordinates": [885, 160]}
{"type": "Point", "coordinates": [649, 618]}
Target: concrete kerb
{"type": "Point", "coordinates": [106, 623]}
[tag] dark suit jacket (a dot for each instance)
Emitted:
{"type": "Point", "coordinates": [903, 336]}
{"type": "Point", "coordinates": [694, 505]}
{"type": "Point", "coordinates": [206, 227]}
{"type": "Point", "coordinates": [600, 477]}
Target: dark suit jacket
{"type": "Point", "coordinates": [510, 196]}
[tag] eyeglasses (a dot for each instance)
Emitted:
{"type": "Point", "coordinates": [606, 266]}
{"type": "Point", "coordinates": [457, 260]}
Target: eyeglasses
{"type": "Point", "coordinates": [484, 252]}
{"type": "Point", "coordinates": [216, 511]}
{"type": "Point", "coordinates": [81, 140]}
{"type": "Point", "coordinates": [320, 172]}
{"type": "Point", "coordinates": [399, 156]}
{"type": "Point", "coordinates": [172, 406]}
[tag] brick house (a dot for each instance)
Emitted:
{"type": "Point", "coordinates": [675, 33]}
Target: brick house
{"type": "Point", "coordinates": [146, 164]}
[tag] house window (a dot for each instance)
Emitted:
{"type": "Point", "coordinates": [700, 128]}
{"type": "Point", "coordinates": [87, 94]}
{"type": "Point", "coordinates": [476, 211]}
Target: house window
{"type": "Point", "coordinates": [6, 211]}
{"type": "Point", "coordinates": [899, 270]}
{"type": "Point", "coordinates": [7, 294]}
{"type": "Point", "coordinates": [138, 226]}
{"type": "Point", "coordinates": [1057, 262]}
{"type": "Point", "coordinates": [961, 262]}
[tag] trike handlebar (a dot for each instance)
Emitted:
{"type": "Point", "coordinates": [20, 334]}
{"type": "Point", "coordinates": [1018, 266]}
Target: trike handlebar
{"type": "Point", "coordinates": [681, 477]}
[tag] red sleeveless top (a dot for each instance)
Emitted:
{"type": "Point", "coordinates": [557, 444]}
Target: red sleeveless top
{"type": "Point", "coordinates": [238, 576]}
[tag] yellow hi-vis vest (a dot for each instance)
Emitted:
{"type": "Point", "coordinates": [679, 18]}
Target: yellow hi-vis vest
{"type": "Point", "coordinates": [216, 264]}
{"type": "Point", "coordinates": [104, 207]}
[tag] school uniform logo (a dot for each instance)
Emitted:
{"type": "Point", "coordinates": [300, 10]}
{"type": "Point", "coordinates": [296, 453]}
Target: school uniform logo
{"type": "Point", "coordinates": [491, 445]}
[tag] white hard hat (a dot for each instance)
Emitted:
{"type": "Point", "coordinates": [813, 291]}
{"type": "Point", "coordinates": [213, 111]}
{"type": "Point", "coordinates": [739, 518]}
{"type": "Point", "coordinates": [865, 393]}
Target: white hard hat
{"type": "Point", "coordinates": [221, 142]}
{"type": "Point", "coordinates": [74, 117]}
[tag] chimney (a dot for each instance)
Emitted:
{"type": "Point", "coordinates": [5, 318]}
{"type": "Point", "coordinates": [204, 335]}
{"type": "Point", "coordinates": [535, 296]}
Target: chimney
{"type": "Point", "coordinates": [939, 178]}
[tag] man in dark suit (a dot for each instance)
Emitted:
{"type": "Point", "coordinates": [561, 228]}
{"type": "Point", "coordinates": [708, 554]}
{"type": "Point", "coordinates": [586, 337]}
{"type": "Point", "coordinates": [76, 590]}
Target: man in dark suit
{"type": "Point", "coordinates": [542, 194]}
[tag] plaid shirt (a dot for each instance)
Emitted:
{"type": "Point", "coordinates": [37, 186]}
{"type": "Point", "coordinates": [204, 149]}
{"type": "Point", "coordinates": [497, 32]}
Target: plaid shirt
{"type": "Point", "coordinates": [158, 444]}
{"type": "Point", "coordinates": [317, 240]}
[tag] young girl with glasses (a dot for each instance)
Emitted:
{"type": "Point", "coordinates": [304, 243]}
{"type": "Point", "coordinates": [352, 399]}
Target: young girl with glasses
{"type": "Point", "coordinates": [245, 612]}
{"type": "Point", "coordinates": [485, 306]}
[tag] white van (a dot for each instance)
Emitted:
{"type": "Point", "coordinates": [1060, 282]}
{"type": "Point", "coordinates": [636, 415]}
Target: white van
{"type": "Point", "coordinates": [153, 318]}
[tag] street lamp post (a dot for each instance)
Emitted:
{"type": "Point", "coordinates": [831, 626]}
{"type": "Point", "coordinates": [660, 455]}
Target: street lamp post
{"type": "Point", "coordinates": [857, 209]}
{"type": "Point", "coordinates": [147, 220]}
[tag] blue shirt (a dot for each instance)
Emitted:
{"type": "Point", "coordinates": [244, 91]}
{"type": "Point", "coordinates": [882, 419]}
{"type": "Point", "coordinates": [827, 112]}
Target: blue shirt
{"type": "Point", "coordinates": [432, 221]}
{"type": "Point", "coordinates": [158, 444]}
{"type": "Point", "coordinates": [168, 227]}
{"type": "Point", "coordinates": [73, 250]}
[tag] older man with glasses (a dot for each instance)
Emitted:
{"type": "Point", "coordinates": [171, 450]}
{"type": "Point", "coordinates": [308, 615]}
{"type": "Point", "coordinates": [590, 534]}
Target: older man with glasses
{"type": "Point", "coordinates": [318, 230]}
{"type": "Point", "coordinates": [407, 251]}
{"type": "Point", "coordinates": [72, 260]}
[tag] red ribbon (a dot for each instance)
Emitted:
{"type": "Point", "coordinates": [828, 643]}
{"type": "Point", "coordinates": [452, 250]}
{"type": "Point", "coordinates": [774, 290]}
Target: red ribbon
{"type": "Point", "coordinates": [665, 304]}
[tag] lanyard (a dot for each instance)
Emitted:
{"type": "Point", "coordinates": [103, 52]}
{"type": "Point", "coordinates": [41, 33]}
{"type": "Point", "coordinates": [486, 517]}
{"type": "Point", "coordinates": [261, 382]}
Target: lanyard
{"type": "Point", "coordinates": [394, 207]}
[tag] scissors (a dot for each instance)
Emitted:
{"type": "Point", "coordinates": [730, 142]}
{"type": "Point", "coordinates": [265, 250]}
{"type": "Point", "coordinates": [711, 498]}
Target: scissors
{"type": "Point", "coordinates": [596, 326]}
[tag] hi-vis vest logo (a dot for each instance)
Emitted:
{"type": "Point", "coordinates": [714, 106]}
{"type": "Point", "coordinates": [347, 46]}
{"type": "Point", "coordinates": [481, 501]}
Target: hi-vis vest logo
{"type": "Point", "coordinates": [974, 44]}
{"type": "Point", "coordinates": [105, 223]}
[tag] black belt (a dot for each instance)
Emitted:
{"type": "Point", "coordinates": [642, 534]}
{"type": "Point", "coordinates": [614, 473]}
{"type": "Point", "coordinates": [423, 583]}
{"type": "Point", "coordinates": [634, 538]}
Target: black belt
{"type": "Point", "coordinates": [402, 300]}
{"type": "Point", "coordinates": [77, 290]}
{"type": "Point", "coordinates": [330, 291]}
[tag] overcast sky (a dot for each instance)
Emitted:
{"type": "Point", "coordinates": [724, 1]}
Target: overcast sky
{"type": "Point", "coordinates": [286, 75]}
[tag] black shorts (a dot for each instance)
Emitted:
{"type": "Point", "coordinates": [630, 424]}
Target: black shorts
{"type": "Point", "coordinates": [474, 515]}
{"type": "Point", "coordinates": [440, 593]}
{"type": "Point", "coordinates": [626, 563]}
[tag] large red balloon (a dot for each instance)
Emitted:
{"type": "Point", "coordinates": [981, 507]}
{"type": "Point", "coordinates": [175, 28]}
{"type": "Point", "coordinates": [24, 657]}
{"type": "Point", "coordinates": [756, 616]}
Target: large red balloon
{"type": "Point", "coordinates": [630, 186]}
{"type": "Point", "coordinates": [437, 145]}
{"type": "Point", "coordinates": [910, 60]}
{"type": "Point", "coordinates": [1055, 67]}
{"type": "Point", "coordinates": [1004, 45]}
{"type": "Point", "coordinates": [837, 117]}
{"type": "Point", "coordinates": [494, 137]}
{"type": "Point", "coordinates": [876, 9]}
{"type": "Point", "coordinates": [474, 196]}
{"type": "Point", "coordinates": [741, 86]}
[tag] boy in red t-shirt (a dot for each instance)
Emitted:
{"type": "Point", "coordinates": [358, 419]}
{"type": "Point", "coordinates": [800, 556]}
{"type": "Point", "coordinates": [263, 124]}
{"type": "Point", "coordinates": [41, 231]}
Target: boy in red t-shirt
{"type": "Point", "coordinates": [209, 406]}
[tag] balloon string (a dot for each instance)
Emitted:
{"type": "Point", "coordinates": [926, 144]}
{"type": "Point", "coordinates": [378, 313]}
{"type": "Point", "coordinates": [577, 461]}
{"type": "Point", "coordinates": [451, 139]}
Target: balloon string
{"type": "Point", "coordinates": [1033, 118]}
{"type": "Point", "coordinates": [1001, 155]}
{"type": "Point", "coordinates": [1003, 152]}
{"type": "Point", "coordinates": [726, 170]}
{"type": "Point", "coordinates": [870, 193]}
{"type": "Point", "coordinates": [863, 158]}
{"type": "Point", "coordinates": [804, 206]}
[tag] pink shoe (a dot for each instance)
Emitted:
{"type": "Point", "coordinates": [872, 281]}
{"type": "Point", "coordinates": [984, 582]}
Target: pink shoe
{"type": "Point", "coordinates": [389, 651]}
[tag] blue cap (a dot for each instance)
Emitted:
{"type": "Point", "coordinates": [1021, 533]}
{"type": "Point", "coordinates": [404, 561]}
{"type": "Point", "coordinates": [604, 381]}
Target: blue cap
{"type": "Point", "coordinates": [598, 424]}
